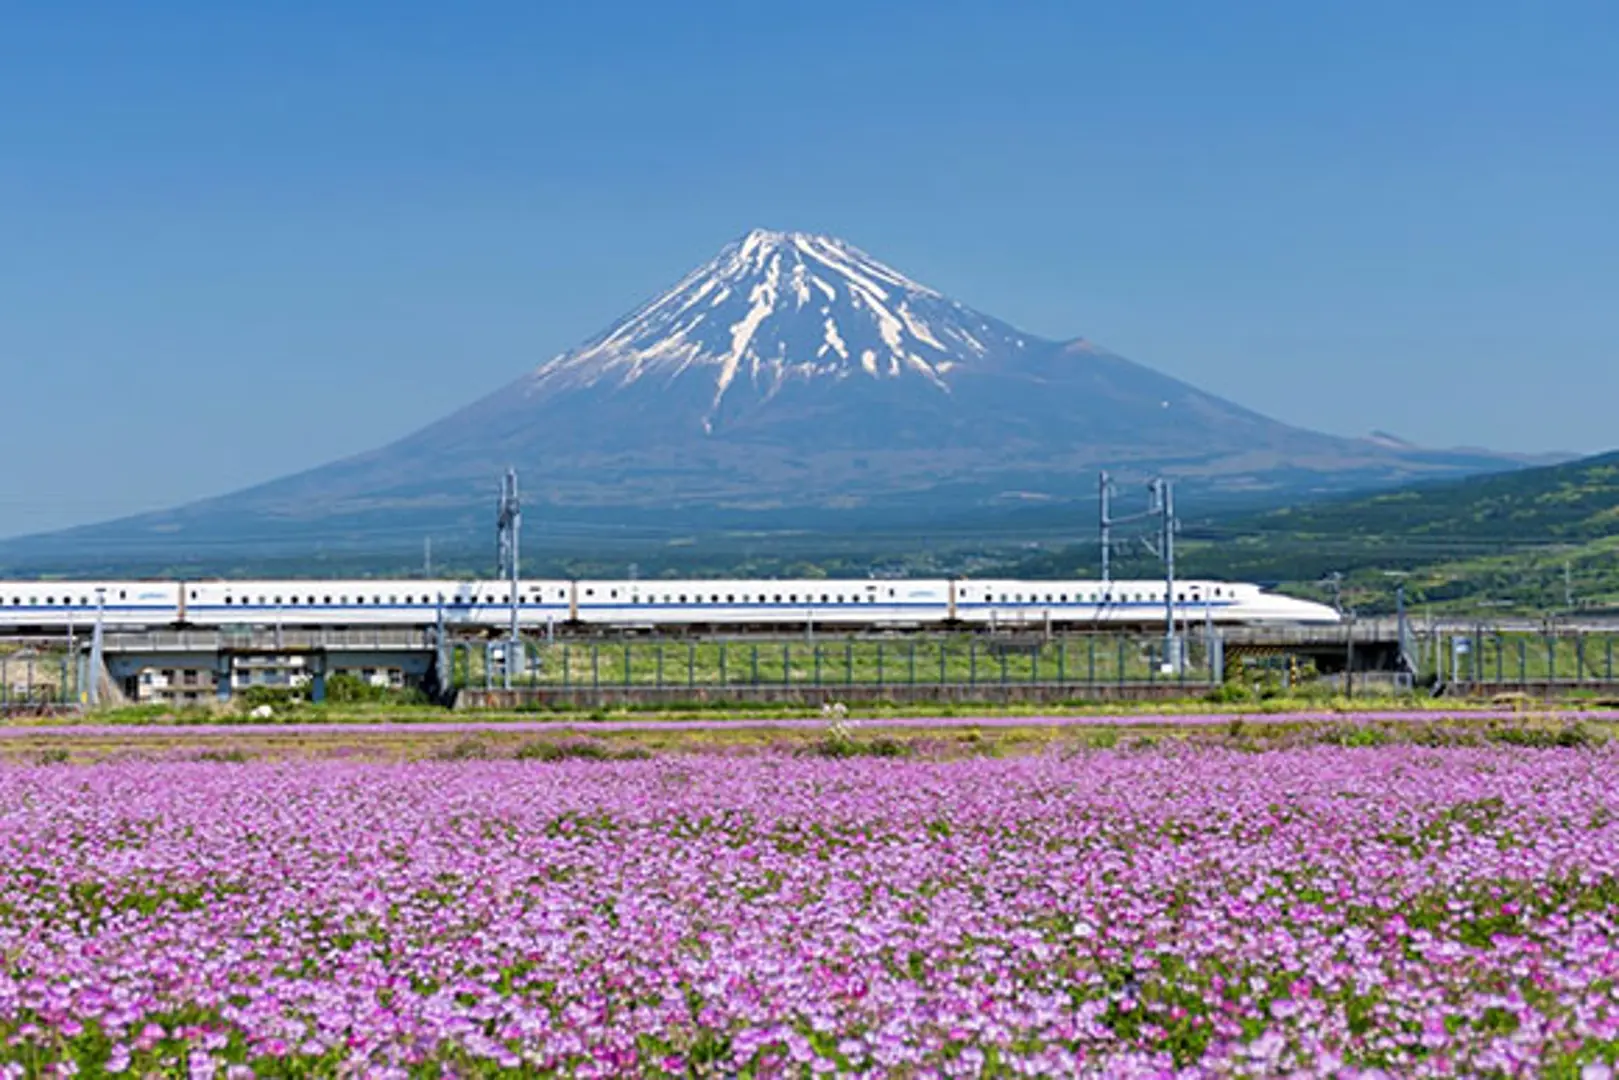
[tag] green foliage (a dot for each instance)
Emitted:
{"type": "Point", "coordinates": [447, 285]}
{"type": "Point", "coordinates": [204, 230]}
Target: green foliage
{"type": "Point", "coordinates": [277, 697]}
{"type": "Point", "coordinates": [883, 746]}
{"type": "Point", "coordinates": [578, 750]}
{"type": "Point", "coordinates": [344, 688]}
{"type": "Point", "coordinates": [1567, 736]}
{"type": "Point", "coordinates": [468, 749]}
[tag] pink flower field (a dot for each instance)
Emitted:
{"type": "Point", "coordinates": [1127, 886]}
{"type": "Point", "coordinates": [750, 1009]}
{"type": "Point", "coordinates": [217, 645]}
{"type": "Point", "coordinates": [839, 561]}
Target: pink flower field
{"type": "Point", "coordinates": [1394, 910]}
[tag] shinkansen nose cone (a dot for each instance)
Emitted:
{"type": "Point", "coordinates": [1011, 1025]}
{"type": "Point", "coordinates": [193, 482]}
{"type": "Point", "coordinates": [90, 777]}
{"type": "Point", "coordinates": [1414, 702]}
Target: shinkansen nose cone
{"type": "Point", "coordinates": [1300, 611]}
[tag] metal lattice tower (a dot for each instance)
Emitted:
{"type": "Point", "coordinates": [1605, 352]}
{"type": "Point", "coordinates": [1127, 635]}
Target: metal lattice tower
{"type": "Point", "coordinates": [508, 524]}
{"type": "Point", "coordinates": [1162, 507]}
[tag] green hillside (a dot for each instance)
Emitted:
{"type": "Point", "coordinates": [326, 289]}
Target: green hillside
{"type": "Point", "coordinates": [1540, 540]}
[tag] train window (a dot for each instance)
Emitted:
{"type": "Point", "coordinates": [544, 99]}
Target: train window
{"type": "Point", "coordinates": [823, 598]}
{"type": "Point", "coordinates": [793, 599]}
{"type": "Point", "coordinates": [590, 592]}
{"type": "Point", "coordinates": [343, 600]}
{"type": "Point", "coordinates": [410, 599]}
{"type": "Point", "coordinates": [50, 599]}
{"type": "Point", "coordinates": [1062, 598]}
{"type": "Point", "coordinates": [16, 601]}
{"type": "Point", "coordinates": [730, 599]}
{"type": "Point", "coordinates": [227, 599]}
{"type": "Point", "coordinates": [890, 592]}
{"type": "Point", "coordinates": [682, 598]}
{"type": "Point", "coordinates": [326, 600]}
{"type": "Point", "coordinates": [714, 599]}
{"type": "Point", "coordinates": [1216, 592]}
{"type": "Point", "coordinates": [613, 594]}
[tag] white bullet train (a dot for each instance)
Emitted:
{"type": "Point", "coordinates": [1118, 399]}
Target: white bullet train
{"type": "Point", "coordinates": [55, 606]}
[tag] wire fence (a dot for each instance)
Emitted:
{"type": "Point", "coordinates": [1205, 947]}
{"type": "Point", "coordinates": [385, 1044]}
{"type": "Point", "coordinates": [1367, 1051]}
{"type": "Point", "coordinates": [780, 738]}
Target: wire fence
{"type": "Point", "coordinates": [964, 660]}
{"type": "Point", "coordinates": [1486, 655]}
{"type": "Point", "coordinates": [31, 680]}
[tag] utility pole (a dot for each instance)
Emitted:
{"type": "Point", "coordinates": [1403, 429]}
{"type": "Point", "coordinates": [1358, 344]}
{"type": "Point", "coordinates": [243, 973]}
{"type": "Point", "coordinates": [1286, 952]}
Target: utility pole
{"type": "Point", "coordinates": [1104, 493]}
{"type": "Point", "coordinates": [1335, 583]}
{"type": "Point", "coordinates": [1163, 498]}
{"type": "Point", "coordinates": [1162, 507]}
{"type": "Point", "coordinates": [508, 525]}
{"type": "Point", "coordinates": [1568, 586]}
{"type": "Point", "coordinates": [1404, 662]}
{"type": "Point", "coordinates": [96, 647]}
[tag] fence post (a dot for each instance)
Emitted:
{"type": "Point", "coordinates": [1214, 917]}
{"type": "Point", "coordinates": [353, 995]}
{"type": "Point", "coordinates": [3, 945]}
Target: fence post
{"type": "Point", "coordinates": [628, 679]}
{"type": "Point", "coordinates": [786, 663]}
{"type": "Point", "coordinates": [1090, 663]}
{"type": "Point", "coordinates": [724, 675]}
{"type": "Point", "coordinates": [879, 663]}
{"type": "Point", "coordinates": [1062, 660]}
{"type": "Point", "coordinates": [1523, 661]}
{"type": "Point", "coordinates": [755, 663]}
{"type": "Point", "coordinates": [944, 647]}
{"type": "Point", "coordinates": [1121, 661]}
{"type": "Point", "coordinates": [848, 662]}
{"type": "Point", "coordinates": [691, 665]}
{"type": "Point", "coordinates": [972, 661]}
{"type": "Point", "coordinates": [595, 665]}
{"type": "Point", "coordinates": [816, 667]}
{"type": "Point", "coordinates": [1551, 659]}
{"type": "Point", "coordinates": [913, 662]}
{"type": "Point", "coordinates": [1579, 656]}
{"type": "Point", "coordinates": [1610, 658]}
{"type": "Point", "coordinates": [659, 676]}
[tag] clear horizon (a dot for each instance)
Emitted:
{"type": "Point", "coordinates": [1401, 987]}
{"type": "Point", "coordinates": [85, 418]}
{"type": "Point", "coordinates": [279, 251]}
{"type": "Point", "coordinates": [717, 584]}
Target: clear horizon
{"type": "Point", "coordinates": [238, 244]}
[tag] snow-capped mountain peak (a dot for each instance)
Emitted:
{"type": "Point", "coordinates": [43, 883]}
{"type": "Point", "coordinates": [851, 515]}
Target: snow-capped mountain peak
{"type": "Point", "coordinates": [777, 308]}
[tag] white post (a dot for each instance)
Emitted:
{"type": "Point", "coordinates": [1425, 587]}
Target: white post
{"type": "Point", "coordinates": [96, 647]}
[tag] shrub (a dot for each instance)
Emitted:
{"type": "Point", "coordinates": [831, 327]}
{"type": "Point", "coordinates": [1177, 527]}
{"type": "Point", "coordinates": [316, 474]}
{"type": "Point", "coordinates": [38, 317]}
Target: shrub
{"type": "Point", "coordinates": [224, 757]}
{"type": "Point", "coordinates": [1229, 693]}
{"type": "Point", "coordinates": [1541, 738]}
{"type": "Point", "coordinates": [277, 697]}
{"type": "Point", "coordinates": [1356, 735]}
{"type": "Point", "coordinates": [463, 750]}
{"type": "Point", "coordinates": [833, 746]}
{"type": "Point", "coordinates": [578, 750]}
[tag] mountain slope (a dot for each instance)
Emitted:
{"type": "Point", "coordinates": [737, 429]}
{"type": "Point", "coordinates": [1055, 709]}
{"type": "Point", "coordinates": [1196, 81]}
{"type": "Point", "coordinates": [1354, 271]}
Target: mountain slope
{"type": "Point", "coordinates": [790, 375]}
{"type": "Point", "coordinates": [1537, 539]}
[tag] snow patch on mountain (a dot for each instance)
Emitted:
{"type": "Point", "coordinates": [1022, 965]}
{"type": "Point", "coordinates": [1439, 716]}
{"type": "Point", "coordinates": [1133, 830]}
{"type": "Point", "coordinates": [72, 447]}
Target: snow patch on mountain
{"type": "Point", "coordinates": [777, 307]}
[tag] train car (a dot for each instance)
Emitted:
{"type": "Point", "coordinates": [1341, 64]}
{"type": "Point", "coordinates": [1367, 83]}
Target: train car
{"type": "Point", "coordinates": [1076, 604]}
{"type": "Point", "coordinates": [735, 605]}
{"type": "Point", "coordinates": [763, 604]}
{"type": "Point", "coordinates": [56, 606]}
{"type": "Point", "coordinates": [371, 603]}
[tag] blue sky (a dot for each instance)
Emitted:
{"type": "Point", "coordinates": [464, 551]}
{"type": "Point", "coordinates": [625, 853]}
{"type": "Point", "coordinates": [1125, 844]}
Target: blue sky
{"type": "Point", "coordinates": [241, 240]}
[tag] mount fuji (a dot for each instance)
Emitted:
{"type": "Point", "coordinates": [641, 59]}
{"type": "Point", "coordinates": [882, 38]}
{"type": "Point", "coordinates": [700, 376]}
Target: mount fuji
{"type": "Point", "coordinates": [793, 375]}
